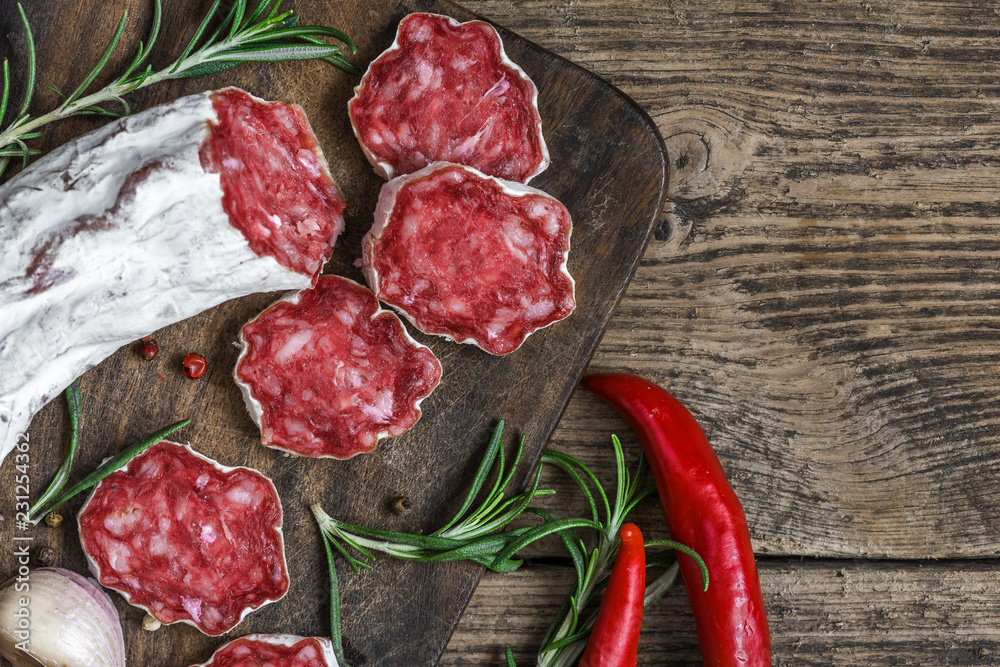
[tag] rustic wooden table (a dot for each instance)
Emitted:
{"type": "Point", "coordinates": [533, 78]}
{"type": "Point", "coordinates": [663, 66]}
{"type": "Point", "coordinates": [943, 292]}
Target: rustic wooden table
{"type": "Point", "coordinates": [822, 294]}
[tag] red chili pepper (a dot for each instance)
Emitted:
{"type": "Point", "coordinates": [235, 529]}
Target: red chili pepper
{"type": "Point", "coordinates": [194, 366]}
{"type": "Point", "coordinates": [614, 640]}
{"type": "Point", "coordinates": [703, 512]}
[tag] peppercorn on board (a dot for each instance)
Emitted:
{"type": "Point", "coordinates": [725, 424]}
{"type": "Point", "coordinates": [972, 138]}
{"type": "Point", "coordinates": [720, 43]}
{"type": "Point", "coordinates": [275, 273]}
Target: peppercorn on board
{"type": "Point", "coordinates": [609, 169]}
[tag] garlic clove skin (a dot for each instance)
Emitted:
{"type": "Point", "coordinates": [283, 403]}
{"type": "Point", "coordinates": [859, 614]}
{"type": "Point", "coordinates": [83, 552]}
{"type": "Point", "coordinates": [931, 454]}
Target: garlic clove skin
{"type": "Point", "coordinates": [69, 621]}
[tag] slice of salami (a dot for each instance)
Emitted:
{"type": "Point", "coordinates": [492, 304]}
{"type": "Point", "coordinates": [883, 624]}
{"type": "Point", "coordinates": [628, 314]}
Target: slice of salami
{"type": "Point", "coordinates": [325, 372]}
{"type": "Point", "coordinates": [447, 91]}
{"type": "Point", "coordinates": [186, 539]}
{"type": "Point", "coordinates": [470, 257]}
{"type": "Point", "coordinates": [274, 651]}
{"type": "Point", "coordinates": [148, 221]}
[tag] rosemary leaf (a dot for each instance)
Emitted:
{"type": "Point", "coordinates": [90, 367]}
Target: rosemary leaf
{"type": "Point", "coordinates": [226, 21]}
{"type": "Point", "coordinates": [101, 62]}
{"type": "Point", "coordinates": [573, 546]}
{"type": "Point", "coordinates": [107, 468]}
{"type": "Point", "coordinates": [335, 633]}
{"type": "Point", "coordinates": [62, 475]}
{"type": "Point", "coordinates": [6, 89]}
{"type": "Point", "coordinates": [492, 450]}
{"type": "Point", "coordinates": [30, 85]}
{"type": "Point", "coordinates": [310, 31]}
{"type": "Point", "coordinates": [24, 152]}
{"type": "Point", "coordinates": [259, 10]}
{"type": "Point", "coordinates": [677, 546]}
{"type": "Point", "coordinates": [543, 531]}
{"type": "Point", "coordinates": [205, 69]}
{"type": "Point", "coordinates": [568, 465]}
{"type": "Point", "coordinates": [154, 34]}
{"type": "Point", "coordinates": [276, 52]}
{"type": "Point", "coordinates": [197, 34]}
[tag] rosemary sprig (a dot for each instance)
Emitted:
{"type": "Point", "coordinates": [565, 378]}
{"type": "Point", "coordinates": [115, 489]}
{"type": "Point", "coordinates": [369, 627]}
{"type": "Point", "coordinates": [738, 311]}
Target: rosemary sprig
{"type": "Point", "coordinates": [473, 534]}
{"type": "Point", "coordinates": [264, 34]}
{"type": "Point", "coordinates": [591, 567]}
{"type": "Point", "coordinates": [54, 494]}
{"type": "Point", "coordinates": [478, 535]}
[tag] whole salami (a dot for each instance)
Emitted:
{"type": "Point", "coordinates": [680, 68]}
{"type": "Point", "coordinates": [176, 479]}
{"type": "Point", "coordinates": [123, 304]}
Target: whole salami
{"type": "Point", "coordinates": [326, 373]}
{"type": "Point", "coordinates": [274, 651]}
{"type": "Point", "coordinates": [186, 539]}
{"type": "Point", "coordinates": [470, 257]}
{"type": "Point", "coordinates": [148, 221]}
{"type": "Point", "coordinates": [447, 91]}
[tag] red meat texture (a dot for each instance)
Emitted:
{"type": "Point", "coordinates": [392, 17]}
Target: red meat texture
{"type": "Point", "coordinates": [464, 258]}
{"type": "Point", "coordinates": [276, 188]}
{"type": "Point", "coordinates": [252, 652]}
{"type": "Point", "coordinates": [185, 540]}
{"type": "Point", "coordinates": [446, 94]}
{"type": "Point", "coordinates": [333, 372]}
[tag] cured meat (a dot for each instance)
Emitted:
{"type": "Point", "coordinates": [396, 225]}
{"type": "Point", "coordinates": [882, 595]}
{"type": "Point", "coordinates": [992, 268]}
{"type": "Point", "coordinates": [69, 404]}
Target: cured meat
{"type": "Point", "coordinates": [148, 221]}
{"type": "Point", "coordinates": [274, 651]}
{"type": "Point", "coordinates": [470, 257]}
{"type": "Point", "coordinates": [447, 91]}
{"type": "Point", "coordinates": [326, 373]}
{"type": "Point", "coordinates": [186, 539]}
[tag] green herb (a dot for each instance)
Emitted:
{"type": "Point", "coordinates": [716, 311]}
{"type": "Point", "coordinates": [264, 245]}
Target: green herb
{"type": "Point", "coordinates": [479, 535]}
{"type": "Point", "coordinates": [335, 634]}
{"type": "Point", "coordinates": [265, 34]}
{"type": "Point", "coordinates": [54, 495]}
{"type": "Point", "coordinates": [567, 636]}
{"type": "Point", "coordinates": [473, 534]}
{"type": "Point", "coordinates": [62, 475]}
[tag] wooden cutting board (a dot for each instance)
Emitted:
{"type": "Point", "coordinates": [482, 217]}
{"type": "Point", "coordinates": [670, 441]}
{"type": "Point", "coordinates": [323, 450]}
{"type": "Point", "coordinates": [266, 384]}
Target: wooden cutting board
{"type": "Point", "coordinates": [608, 167]}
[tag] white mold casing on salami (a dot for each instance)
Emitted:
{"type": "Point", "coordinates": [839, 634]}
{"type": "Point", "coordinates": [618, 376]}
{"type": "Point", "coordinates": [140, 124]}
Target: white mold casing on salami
{"type": "Point", "coordinates": [257, 410]}
{"type": "Point", "coordinates": [95, 568]}
{"type": "Point", "coordinates": [326, 652]}
{"type": "Point", "coordinates": [422, 94]}
{"type": "Point", "coordinates": [383, 214]}
{"type": "Point", "coordinates": [108, 238]}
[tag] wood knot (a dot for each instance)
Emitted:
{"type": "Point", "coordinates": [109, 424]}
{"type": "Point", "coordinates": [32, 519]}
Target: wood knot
{"type": "Point", "coordinates": [688, 156]}
{"type": "Point", "coordinates": [708, 152]}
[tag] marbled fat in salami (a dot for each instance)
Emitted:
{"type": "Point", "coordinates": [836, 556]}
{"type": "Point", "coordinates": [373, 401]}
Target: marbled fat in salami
{"type": "Point", "coordinates": [274, 651]}
{"type": "Point", "coordinates": [447, 91]}
{"type": "Point", "coordinates": [327, 373]}
{"type": "Point", "coordinates": [148, 221]}
{"type": "Point", "coordinates": [186, 539]}
{"type": "Point", "coordinates": [470, 257]}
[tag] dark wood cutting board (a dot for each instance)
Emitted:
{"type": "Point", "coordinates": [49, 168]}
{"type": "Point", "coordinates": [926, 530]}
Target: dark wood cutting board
{"type": "Point", "coordinates": [608, 167]}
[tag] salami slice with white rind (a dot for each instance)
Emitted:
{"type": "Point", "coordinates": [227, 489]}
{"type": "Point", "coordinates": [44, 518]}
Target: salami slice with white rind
{"type": "Point", "coordinates": [148, 221]}
{"type": "Point", "coordinates": [186, 539]}
{"type": "Point", "coordinates": [470, 257]}
{"type": "Point", "coordinates": [446, 91]}
{"type": "Point", "coordinates": [326, 373]}
{"type": "Point", "coordinates": [274, 651]}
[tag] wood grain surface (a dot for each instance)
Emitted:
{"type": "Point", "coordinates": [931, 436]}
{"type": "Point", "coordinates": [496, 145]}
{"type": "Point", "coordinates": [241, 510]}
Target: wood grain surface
{"type": "Point", "coordinates": [609, 169]}
{"type": "Point", "coordinates": [822, 294]}
{"type": "Point", "coordinates": [821, 613]}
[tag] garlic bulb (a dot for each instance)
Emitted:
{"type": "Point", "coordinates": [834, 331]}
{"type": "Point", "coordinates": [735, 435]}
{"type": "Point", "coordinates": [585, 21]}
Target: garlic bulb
{"type": "Point", "coordinates": [51, 617]}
